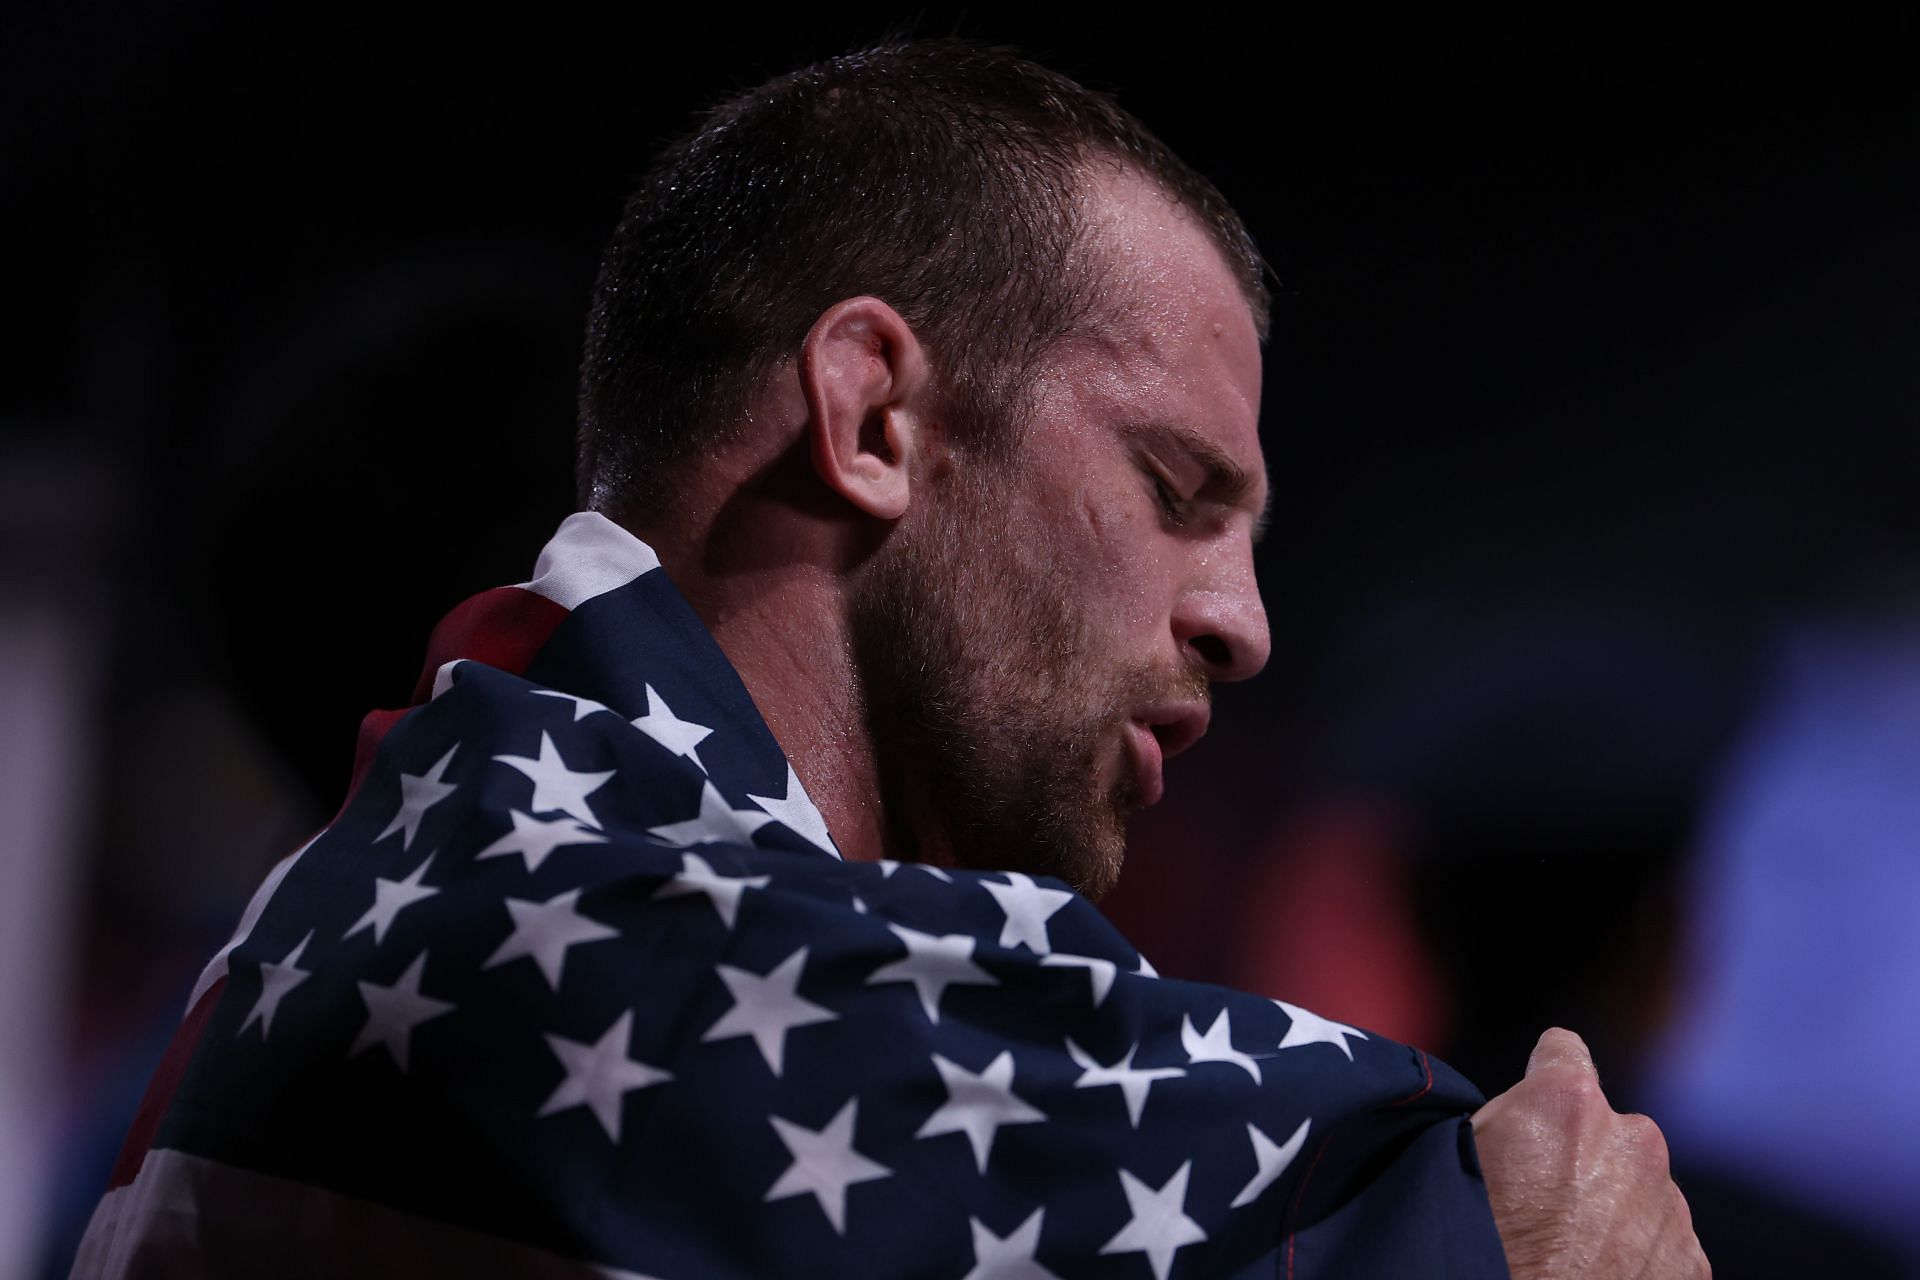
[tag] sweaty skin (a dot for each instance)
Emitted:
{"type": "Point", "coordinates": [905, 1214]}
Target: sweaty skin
{"type": "Point", "coordinates": [1137, 503]}
{"type": "Point", "coordinates": [1578, 1189]}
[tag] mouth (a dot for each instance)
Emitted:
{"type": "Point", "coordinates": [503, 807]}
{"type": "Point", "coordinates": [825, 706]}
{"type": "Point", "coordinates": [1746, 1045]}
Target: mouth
{"type": "Point", "coordinates": [1156, 736]}
{"type": "Point", "coordinates": [1144, 749]}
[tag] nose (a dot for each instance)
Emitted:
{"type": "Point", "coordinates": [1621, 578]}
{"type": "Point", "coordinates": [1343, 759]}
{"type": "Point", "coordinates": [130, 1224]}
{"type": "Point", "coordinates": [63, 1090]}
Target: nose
{"type": "Point", "coordinates": [1220, 623]}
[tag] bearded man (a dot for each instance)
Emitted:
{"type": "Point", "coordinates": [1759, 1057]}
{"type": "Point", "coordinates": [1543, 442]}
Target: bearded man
{"type": "Point", "coordinates": [919, 445]}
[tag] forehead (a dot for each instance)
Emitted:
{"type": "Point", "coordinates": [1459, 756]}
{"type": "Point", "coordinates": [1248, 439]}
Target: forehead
{"type": "Point", "coordinates": [1177, 346]}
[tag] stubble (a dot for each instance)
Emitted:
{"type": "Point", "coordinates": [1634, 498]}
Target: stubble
{"type": "Point", "coordinates": [995, 709]}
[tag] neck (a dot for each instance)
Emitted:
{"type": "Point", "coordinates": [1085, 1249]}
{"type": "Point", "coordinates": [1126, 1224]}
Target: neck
{"type": "Point", "coordinates": [763, 579]}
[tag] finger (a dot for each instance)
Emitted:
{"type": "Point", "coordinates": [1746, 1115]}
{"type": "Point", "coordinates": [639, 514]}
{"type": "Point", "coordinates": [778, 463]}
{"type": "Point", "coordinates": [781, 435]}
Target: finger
{"type": "Point", "coordinates": [1560, 1047]}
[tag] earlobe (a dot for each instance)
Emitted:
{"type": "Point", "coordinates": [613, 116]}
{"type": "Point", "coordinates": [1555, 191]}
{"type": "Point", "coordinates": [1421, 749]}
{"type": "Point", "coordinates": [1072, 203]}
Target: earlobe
{"type": "Point", "coordinates": [864, 376]}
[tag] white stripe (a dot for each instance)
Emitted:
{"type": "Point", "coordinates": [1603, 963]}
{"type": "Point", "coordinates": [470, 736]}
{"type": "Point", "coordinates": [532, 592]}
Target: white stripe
{"type": "Point", "coordinates": [189, 1216]}
{"type": "Point", "coordinates": [588, 556]}
{"type": "Point", "coordinates": [217, 967]}
{"type": "Point", "coordinates": [443, 678]}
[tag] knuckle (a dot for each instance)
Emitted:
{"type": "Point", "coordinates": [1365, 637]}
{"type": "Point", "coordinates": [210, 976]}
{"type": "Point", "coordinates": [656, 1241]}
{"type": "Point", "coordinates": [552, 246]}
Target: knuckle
{"type": "Point", "coordinates": [1643, 1138]}
{"type": "Point", "coordinates": [1574, 1089]}
{"type": "Point", "coordinates": [1561, 1038]}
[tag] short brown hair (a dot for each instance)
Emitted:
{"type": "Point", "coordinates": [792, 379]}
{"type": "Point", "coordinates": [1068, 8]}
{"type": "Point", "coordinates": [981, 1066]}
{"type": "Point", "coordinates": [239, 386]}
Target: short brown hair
{"type": "Point", "coordinates": [941, 176]}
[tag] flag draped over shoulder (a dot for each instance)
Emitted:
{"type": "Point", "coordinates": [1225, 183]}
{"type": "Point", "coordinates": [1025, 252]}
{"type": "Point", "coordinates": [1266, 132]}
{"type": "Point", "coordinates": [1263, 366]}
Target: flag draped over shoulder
{"type": "Point", "coordinates": [577, 983]}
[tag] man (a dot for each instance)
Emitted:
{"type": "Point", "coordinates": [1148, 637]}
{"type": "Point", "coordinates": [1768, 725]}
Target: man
{"type": "Point", "coordinates": [919, 441]}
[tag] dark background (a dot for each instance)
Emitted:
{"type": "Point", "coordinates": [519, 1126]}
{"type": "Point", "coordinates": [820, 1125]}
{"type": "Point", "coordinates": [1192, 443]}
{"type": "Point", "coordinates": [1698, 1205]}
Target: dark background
{"type": "Point", "coordinates": [1592, 366]}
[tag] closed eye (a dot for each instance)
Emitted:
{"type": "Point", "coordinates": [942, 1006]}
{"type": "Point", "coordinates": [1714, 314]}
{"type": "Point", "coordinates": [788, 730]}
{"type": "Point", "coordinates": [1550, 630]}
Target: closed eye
{"type": "Point", "coordinates": [1222, 480]}
{"type": "Point", "coordinates": [1174, 507]}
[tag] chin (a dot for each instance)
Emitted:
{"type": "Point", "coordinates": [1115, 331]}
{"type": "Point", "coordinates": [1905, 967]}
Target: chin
{"type": "Point", "coordinates": [1083, 844]}
{"type": "Point", "coordinates": [1100, 876]}
{"type": "Point", "coordinates": [1090, 857]}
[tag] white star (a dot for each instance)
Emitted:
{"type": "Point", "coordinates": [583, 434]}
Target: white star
{"type": "Point", "coordinates": [670, 731]}
{"type": "Point", "coordinates": [798, 812]}
{"type": "Point", "coordinates": [600, 1075]}
{"type": "Point", "coordinates": [1216, 1045]}
{"type": "Point", "coordinates": [717, 820]}
{"type": "Point", "coordinates": [1028, 907]}
{"type": "Point", "coordinates": [390, 898]}
{"type": "Point", "coordinates": [696, 876]}
{"type": "Point", "coordinates": [977, 1105]}
{"type": "Point", "coordinates": [393, 1012]}
{"type": "Point", "coordinates": [544, 930]}
{"type": "Point", "coordinates": [1146, 969]}
{"type": "Point", "coordinates": [582, 707]}
{"type": "Point", "coordinates": [419, 792]}
{"type": "Point", "coordinates": [888, 867]}
{"type": "Point", "coordinates": [1310, 1028]}
{"type": "Point", "coordinates": [535, 838]}
{"type": "Point", "coordinates": [275, 981]}
{"type": "Point", "coordinates": [766, 1008]}
{"type": "Point", "coordinates": [1008, 1259]}
{"type": "Point", "coordinates": [932, 964]}
{"type": "Point", "coordinates": [824, 1164]}
{"type": "Point", "coordinates": [1160, 1225]}
{"type": "Point", "coordinates": [1135, 1082]}
{"type": "Point", "coordinates": [1100, 973]}
{"type": "Point", "coordinates": [555, 786]}
{"type": "Point", "coordinates": [1273, 1161]}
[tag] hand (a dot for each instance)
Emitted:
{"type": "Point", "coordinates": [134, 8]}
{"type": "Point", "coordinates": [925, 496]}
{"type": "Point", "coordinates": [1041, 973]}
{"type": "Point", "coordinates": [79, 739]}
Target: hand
{"type": "Point", "coordinates": [1578, 1189]}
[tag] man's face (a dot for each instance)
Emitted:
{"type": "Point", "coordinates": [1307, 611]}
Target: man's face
{"type": "Point", "coordinates": [1043, 634]}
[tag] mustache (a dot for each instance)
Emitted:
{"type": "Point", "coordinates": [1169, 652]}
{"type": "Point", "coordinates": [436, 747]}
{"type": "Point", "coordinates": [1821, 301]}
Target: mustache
{"type": "Point", "coordinates": [1154, 684]}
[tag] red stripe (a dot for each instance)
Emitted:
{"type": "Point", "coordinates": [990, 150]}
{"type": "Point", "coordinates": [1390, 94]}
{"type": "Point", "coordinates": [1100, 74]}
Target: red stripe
{"type": "Point", "coordinates": [502, 628]}
{"type": "Point", "coordinates": [160, 1090]}
{"type": "Point", "coordinates": [374, 727]}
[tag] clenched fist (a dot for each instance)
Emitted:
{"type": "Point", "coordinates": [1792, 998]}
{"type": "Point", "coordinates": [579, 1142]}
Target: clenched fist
{"type": "Point", "coordinates": [1578, 1189]}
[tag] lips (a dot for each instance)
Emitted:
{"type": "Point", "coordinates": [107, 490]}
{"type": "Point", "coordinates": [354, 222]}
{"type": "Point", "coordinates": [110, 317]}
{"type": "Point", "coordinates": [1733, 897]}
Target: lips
{"type": "Point", "coordinates": [1156, 736]}
{"type": "Point", "coordinates": [1144, 748]}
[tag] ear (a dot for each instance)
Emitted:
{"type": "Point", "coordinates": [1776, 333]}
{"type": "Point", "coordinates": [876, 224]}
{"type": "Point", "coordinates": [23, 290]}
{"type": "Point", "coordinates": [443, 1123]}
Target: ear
{"type": "Point", "coordinates": [865, 379]}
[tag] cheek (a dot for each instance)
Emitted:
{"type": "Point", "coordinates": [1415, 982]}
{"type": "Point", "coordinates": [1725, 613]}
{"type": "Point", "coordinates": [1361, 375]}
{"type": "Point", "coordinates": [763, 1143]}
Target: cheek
{"type": "Point", "coordinates": [1112, 550]}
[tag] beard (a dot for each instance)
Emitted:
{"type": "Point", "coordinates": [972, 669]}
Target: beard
{"type": "Point", "coordinates": [992, 704]}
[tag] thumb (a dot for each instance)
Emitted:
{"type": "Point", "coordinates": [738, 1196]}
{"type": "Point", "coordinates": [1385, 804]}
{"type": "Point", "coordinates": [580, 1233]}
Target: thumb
{"type": "Point", "coordinates": [1559, 1047]}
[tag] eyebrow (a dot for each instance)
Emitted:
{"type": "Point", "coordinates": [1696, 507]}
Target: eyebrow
{"type": "Point", "coordinates": [1226, 482]}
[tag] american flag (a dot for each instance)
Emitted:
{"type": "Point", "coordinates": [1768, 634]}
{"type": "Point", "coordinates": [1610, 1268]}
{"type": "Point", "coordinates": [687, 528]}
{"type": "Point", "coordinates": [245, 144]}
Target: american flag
{"type": "Point", "coordinates": [577, 983]}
